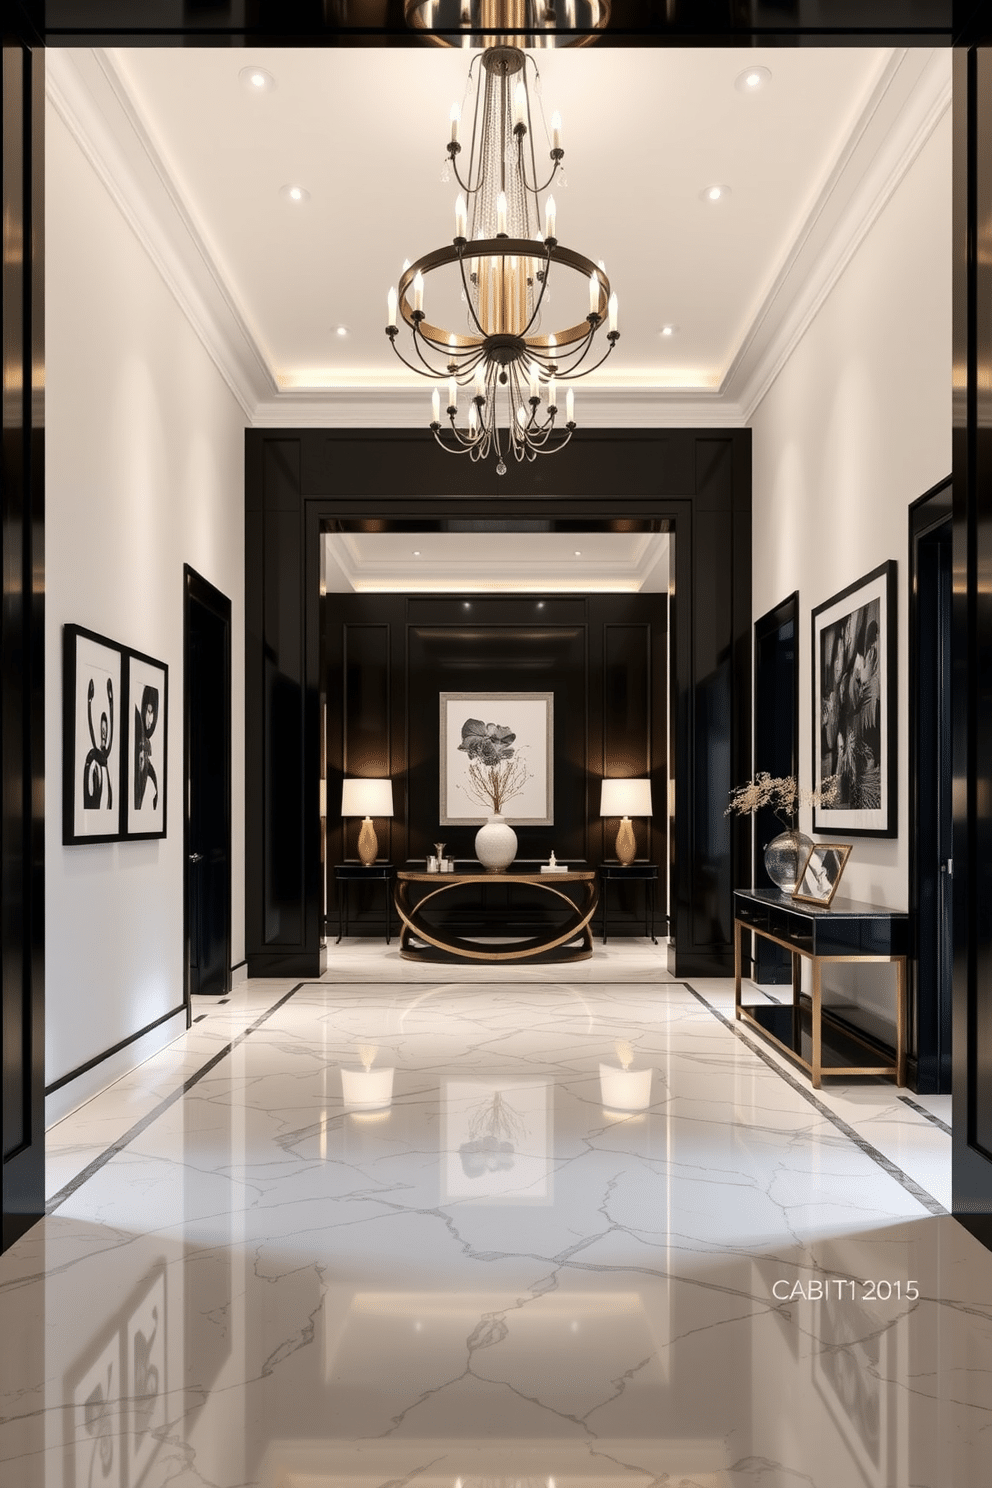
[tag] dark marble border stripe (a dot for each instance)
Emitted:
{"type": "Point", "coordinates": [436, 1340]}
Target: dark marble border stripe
{"type": "Point", "coordinates": [169, 1100]}
{"type": "Point", "coordinates": [903, 1179]}
{"type": "Point", "coordinates": [922, 1111]}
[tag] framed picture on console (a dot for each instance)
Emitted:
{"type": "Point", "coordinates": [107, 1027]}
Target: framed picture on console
{"type": "Point", "coordinates": [92, 709]}
{"type": "Point", "coordinates": [821, 873]}
{"type": "Point", "coordinates": [509, 733]}
{"type": "Point", "coordinates": [145, 760]}
{"type": "Point", "coordinates": [854, 707]}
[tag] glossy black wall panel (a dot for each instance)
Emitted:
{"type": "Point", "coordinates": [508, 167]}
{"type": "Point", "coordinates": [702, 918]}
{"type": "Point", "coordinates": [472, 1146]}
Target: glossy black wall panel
{"type": "Point", "coordinates": [22, 720]}
{"type": "Point", "coordinates": [972, 639]}
{"type": "Point", "coordinates": [626, 701]}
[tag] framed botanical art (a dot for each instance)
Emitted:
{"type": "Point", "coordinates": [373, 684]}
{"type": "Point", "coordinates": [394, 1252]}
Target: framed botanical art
{"type": "Point", "coordinates": [92, 709]}
{"type": "Point", "coordinates": [497, 747]}
{"type": "Point", "coordinates": [854, 707]}
{"type": "Point", "coordinates": [145, 759]}
{"type": "Point", "coordinates": [821, 873]}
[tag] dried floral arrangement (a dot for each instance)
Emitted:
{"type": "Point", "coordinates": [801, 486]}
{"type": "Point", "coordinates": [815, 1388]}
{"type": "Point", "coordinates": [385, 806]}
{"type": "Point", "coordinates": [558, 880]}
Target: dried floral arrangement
{"type": "Point", "coordinates": [495, 776]}
{"type": "Point", "coordinates": [783, 794]}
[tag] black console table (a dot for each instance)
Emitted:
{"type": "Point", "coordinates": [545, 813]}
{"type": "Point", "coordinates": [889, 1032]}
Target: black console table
{"type": "Point", "coordinates": [438, 944]}
{"type": "Point", "coordinates": [345, 874]}
{"type": "Point", "coordinates": [846, 932]}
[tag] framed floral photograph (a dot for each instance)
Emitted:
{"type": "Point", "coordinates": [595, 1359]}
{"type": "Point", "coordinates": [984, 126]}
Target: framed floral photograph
{"type": "Point", "coordinates": [92, 711]}
{"type": "Point", "coordinates": [854, 707]}
{"type": "Point", "coordinates": [497, 757]}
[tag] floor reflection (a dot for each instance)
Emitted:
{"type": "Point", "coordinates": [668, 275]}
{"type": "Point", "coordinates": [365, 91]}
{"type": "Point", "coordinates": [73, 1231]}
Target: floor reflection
{"type": "Point", "coordinates": [497, 1278]}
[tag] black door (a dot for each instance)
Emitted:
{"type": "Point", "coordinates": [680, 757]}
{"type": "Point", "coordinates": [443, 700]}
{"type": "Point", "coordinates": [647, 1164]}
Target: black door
{"type": "Point", "coordinates": [931, 869]}
{"type": "Point", "coordinates": [208, 787]}
{"type": "Point", "coordinates": [776, 749]}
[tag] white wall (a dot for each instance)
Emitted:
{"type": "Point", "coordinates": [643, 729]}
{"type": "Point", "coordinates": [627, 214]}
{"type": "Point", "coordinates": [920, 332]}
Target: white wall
{"type": "Point", "coordinates": [145, 472]}
{"type": "Point", "coordinates": [857, 426]}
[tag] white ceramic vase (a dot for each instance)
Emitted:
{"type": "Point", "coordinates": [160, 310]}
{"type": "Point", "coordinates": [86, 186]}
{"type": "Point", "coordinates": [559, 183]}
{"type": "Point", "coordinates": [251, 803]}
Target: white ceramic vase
{"type": "Point", "coordinates": [496, 845]}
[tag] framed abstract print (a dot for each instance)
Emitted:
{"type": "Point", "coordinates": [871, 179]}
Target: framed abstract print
{"type": "Point", "coordinates": [92, 706]}
{"type": "Point", "coordinates": [145, 761]}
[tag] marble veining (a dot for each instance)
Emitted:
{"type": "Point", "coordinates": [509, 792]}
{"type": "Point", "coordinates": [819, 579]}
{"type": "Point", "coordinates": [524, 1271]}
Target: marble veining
{"type": "Point", "coordinates": [479, 1271]}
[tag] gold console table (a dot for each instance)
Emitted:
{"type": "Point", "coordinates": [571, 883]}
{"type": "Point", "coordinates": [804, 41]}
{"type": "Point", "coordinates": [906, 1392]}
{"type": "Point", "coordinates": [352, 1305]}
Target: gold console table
{"type": "Point", "coordinates": [845, 932]}
{"type": "Point", "coordinates": [440, 944]}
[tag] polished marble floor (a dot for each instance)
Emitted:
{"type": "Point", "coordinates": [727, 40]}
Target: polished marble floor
{"type": "Point", "coordinates": [586, 1233]}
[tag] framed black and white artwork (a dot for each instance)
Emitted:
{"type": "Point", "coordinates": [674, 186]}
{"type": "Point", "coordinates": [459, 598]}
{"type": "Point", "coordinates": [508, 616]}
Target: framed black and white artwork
{"type": "Point", "coordinates": [854, 707]}
{"type": "Point", "coordinates": [821, 873]}
{"type": "Point", "coordinates": [497, 753]}
{"type": "Point", "coordinates": [145, 760]}
{"type": "Point", "coordinates": [92, 710]}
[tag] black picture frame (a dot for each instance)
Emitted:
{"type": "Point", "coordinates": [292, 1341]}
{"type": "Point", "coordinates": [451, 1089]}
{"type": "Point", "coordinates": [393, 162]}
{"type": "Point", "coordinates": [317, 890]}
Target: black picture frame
{"type": "Point", "coordinates": [854, 679]}
{"type": "Point", "coordinates": [145, 756]}
{"type": "Point", "coordinates": [92, 749]}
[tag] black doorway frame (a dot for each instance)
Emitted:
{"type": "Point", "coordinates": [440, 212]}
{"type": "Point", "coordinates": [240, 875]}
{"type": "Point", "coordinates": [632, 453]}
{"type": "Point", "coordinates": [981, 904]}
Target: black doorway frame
{"type": "Point", "coordinates": [693, 482]}
{"type": "Point", "coordinates": [198, 590]}
{"type": "Point", "coordinates": [928, 1024]}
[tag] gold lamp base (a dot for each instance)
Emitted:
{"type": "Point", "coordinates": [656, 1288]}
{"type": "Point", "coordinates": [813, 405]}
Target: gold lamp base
{"type": "Point", "coordinates": [626, 843]}
{"type": "Point", "coordinates": [368, 843]}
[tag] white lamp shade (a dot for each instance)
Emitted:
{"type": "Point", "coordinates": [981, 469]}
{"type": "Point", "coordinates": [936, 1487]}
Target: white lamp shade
{"type": "Point", "coordinates": [367, 798]}
{"type": "Point", "coordinates": [626, 798]}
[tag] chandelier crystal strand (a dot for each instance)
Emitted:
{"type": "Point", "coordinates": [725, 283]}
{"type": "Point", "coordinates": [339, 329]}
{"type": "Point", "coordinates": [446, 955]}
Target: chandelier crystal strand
{"type": "Point", "coordinates": [504, 251]}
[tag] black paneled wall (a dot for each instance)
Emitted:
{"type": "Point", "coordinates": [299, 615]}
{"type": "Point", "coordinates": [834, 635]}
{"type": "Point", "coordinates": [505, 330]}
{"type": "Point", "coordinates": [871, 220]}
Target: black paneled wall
{"type": "Point", "coordinates": [389, 657]}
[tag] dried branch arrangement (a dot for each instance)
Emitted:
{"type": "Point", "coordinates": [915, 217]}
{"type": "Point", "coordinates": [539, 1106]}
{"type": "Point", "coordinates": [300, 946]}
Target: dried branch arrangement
{"type": "Point", "coordinates": [493, 785]}
{"type": "Point", "coordinates": [783, 794]}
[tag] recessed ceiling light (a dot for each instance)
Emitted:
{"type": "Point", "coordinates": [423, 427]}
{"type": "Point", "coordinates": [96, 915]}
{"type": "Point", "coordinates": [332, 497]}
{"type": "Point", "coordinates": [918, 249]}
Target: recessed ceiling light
{"type": "Point", "coordinates": [668, 330]}
{"type": "Point", "coordinates": [752, 80]}
{"type": "Point", "coordinates": [416, 552]}
{"type": "Point", "coordinates": [715, 193]}
{"type": "Point", "coordinates": [578, 552]}
{"type": "Point", "coordinates": [295, 194]}
{"type": "Point", "coordinates": [341, 330]}
{"type": "Point", "coordinates": [257, 80]}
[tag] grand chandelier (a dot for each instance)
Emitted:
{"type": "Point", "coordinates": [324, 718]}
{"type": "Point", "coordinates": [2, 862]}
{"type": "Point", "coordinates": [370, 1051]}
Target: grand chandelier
{"type": "Point", "coordinates": [498, 284]}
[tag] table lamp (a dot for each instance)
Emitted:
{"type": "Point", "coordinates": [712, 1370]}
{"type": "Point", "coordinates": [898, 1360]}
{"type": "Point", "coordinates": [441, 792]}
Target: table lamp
{"type": "Point", "coordinates": [626, 798]}
{"type": "Point", "coordinates": [367, 798]}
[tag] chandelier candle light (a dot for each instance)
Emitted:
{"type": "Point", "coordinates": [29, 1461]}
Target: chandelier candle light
{"type": "Point", "coordinates": [504, 250]}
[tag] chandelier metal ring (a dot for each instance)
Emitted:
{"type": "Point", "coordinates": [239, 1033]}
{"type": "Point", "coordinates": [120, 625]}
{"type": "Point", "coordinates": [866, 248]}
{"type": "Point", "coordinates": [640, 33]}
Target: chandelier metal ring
{"type": "Point", "coordinates": [503, 248]}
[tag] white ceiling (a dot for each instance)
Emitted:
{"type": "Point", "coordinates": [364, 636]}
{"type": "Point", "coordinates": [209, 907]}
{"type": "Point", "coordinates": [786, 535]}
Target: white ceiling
{"type": "Point", "coordinates": [197, 162]}
{"type": "Point", "coordinates": [467, 562]}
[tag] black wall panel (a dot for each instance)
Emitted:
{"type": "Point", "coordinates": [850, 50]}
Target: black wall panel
{"type": "Point", "coordinates": [22, 645]}
{"type": "Point", "coordinates": [594, 655]}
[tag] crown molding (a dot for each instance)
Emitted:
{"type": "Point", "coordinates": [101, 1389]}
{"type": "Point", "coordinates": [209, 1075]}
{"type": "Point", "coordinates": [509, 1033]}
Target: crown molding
{"type": "Point", "coordinates": [907, 103]}
{"type": "Point", "coordinates": [409, 408]}
{"type": "Point", "coordinates": [92, 99]}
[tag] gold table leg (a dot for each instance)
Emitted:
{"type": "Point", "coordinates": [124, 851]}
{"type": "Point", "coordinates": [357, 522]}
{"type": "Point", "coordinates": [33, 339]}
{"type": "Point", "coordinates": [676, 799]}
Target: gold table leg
{"type": "Point", "coordinates": [817, 1030]}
